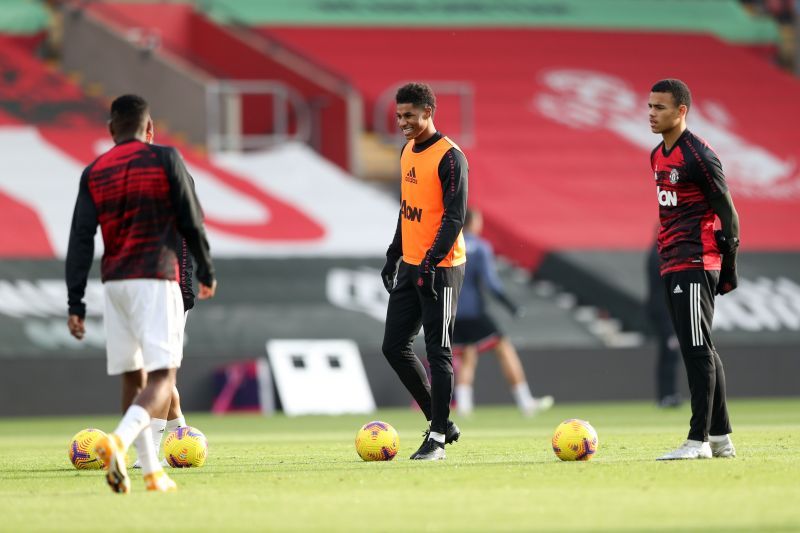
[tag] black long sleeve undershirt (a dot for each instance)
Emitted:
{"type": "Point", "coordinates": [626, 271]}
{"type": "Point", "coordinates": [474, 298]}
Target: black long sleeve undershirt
{"type": "Point", "coordinates": [729, 220]}
{"type": "Point", "coordinates": [395, 251]}
{"type": "Point", "coordinates": [728, 217]}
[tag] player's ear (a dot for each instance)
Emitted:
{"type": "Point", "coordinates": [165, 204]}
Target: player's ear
{"type": "Point", "coordinates": [112, 131]}
{"type": "Point", "coordinates": [683, 109]}
{"type": "Point", "coordinates": [150, 131]}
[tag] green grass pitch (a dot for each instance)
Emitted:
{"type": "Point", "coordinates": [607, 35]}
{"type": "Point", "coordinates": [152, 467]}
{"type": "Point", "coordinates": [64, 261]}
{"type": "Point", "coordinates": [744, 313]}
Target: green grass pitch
{"type": "Point", "coordinates": [303, 474]}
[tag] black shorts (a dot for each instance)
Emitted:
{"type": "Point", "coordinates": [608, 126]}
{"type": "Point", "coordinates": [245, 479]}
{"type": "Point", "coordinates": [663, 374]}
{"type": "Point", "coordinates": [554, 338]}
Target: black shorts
{"type": "Point", "coordinates": [690, 301]}
{"type": "Point", "coordinates": [481, 331]}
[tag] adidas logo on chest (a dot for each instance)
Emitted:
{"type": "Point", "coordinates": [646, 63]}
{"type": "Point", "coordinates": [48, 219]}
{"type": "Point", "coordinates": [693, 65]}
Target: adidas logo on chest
{"type": "Point", "coordinates": [411, 175]}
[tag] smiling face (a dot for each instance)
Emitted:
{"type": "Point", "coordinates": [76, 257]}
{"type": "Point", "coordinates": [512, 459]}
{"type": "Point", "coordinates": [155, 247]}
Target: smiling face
{"type": "Point", "coordinates": [665, 115]}
{"type": "Point", "coordinates": [414, 121]}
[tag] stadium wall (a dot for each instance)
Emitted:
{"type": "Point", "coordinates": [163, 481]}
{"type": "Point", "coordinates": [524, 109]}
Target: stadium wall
{"type": "Point", "coordinates": [763, 311]}
{"type": "Point", "coordinates": [44, 371]}
{"type": "Point", "coordinates": [61, 386]}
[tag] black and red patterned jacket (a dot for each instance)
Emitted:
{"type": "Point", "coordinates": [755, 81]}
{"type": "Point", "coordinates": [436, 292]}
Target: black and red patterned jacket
{"type": "Point", "coordinates": [143, 198]}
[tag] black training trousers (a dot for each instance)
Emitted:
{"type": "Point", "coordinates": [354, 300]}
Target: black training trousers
{"type": "Point", "coordinates": [408, 311]}
{"type": "Point", "coordinates": [690, 299]}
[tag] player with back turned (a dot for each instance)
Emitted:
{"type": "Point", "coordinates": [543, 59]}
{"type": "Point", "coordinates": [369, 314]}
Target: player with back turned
{"type": "Point", "coordinates": [425, 263]}
{"type": "Point", "coordinates": [696, 262]}
{"type": "Point", "coordinates": [142, 197]}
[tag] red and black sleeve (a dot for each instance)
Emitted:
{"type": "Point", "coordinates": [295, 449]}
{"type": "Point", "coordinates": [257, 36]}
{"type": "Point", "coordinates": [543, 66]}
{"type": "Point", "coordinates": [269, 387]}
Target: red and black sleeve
{"type": "Point", "coordinates": [704, 168]}
{"type": "Point", "coordinates": [189, 216]}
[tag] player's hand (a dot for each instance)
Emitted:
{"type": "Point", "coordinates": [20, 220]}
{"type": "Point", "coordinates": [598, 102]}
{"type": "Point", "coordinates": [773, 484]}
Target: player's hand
{"type": "Point", "coordinates": [425, 281]}
{"type": "Point", "coordinates": [389, 274]}
{"type": "Point", "coordinates": [728, 280]}
{"type": "Point", "coordinates": [77, 327]}
{"type": "Point", "coordinates": [207, 292]}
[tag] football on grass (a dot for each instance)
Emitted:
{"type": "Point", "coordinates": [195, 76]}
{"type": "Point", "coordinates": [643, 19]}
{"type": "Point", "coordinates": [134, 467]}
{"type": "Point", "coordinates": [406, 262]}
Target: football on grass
{"type": "Point", "coordinates": [377, 441]}
{"type": "Point", "coordinates": [186, 447]}
{"type": "Point", "coordinates": [81, 450]}
{"type": "Point", "coordinates": [575, 440]}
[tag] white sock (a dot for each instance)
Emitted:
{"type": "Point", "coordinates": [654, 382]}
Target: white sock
{"type": "Point", "coordinates": [438, 437]}
{"type": "Point", "coordinates": [695, 443]}
{"type": "Point", "coordinates": [146, 451]}
{"type": "Point", "coordinates": [136, 418]}
{"type": "Point", "coordinates": [718, 438]}
{"type": "Point", "coordinates": [175, 423]}
{"type": "Point", "coordinates": [522, 395]}
{"type": "Point", "coordinates": [157, 427]}
{"type": "Point", "coordinates": [464, 403]}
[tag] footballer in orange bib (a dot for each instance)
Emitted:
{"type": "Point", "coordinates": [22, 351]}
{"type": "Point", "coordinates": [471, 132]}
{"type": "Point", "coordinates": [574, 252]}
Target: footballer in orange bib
{"type": "Point", "coordinates": [425, 263]}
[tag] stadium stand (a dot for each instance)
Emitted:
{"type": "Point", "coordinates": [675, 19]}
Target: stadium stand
{"type": "Point", "coordinates": [559, 163]}
{"type": "Point", "coordinates": [51, 130]}
{"type": "Point", "coordinates": [557, 141]}
{"type": "Point", "coordinates": [264, 97]}
{"type": "Point", "coordinates": [723, 18]}
{"type": "Point", "coordinates": [283, 224]}
{"type": "Point", "coordinates": [558, 153]}
{"type": "Point", "coordinates": [785, 13]}
{"type": "Point", "coordinates": [560, 147]}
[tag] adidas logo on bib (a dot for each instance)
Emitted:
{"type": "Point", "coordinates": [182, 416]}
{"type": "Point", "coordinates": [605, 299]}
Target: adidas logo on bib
{"type": "Point", "coordinates": [677, 290]}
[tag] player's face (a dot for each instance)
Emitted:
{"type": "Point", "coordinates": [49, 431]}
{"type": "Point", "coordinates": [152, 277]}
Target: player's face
{"type": "Point", "coordinates": [664, 114]}
{"type": "Point", "coordinates": [413, 121]}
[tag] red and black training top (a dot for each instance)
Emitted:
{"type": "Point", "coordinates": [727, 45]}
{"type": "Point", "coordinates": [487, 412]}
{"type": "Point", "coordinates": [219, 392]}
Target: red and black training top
{"type": "Point", "coordinates": [143, 198]}
{"type": "Point", "coordinates": [687, 177]}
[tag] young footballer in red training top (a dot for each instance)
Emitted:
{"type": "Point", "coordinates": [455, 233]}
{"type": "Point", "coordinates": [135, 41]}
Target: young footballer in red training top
{"type": "Point", "coordinates": [696, 262]}
{"type": "Point", "coordinates": [142, 197]}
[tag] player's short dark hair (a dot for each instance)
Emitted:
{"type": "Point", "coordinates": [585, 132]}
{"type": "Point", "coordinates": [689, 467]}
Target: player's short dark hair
{"type": "Point", "coordinates": [418, 94]}
{"type": "Point", "coordinates": [127, 113]}
{"type": "Point", "coordinates": [679, 90]}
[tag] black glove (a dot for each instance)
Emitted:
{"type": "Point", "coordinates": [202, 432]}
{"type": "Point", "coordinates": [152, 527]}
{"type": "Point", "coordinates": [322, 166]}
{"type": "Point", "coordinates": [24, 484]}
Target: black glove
{"type": "Point", "coordinates": [389, 273]}
{"type": "Point", "coordinates": [425, 278]}
{"type": "Point", "coordinates": [728, 278]}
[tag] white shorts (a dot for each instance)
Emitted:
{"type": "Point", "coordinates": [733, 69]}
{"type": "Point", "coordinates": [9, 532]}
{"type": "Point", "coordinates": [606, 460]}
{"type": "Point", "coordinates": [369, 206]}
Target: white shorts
{"type": "Point", "coordinates": [144, 323]}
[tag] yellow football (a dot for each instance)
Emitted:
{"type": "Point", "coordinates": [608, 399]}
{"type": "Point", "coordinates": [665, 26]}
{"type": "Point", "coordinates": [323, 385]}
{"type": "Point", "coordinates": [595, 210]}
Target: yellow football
{"type": "Point", "coordinates": [575, 440]}
{"type": "Point", "coordinates": [81, 450]}
{"type": "Point", "coordinates": [377, 441]}
{"type": "Point", "coordinates": [186, 447]}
